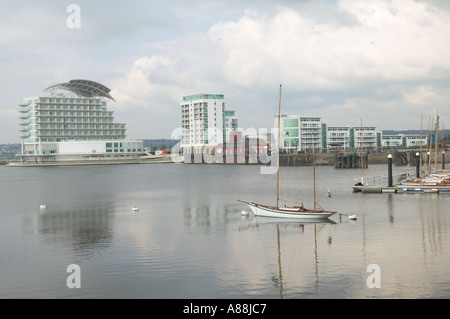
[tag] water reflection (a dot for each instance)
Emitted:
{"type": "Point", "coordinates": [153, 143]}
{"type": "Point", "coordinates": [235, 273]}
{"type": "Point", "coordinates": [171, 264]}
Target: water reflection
{"type": "Point", "coordinates": [202, 216]}
{"type": "Point", "coordinates": [287, 232]}
{"type": "Point", "coordinates": [390, 205]}
{"type": "Point", "coordinates": [80, 230]}
{"type": "Point", "coordinates": [433, 230]}
{"type": "Point", "coordinates": [189, 238]}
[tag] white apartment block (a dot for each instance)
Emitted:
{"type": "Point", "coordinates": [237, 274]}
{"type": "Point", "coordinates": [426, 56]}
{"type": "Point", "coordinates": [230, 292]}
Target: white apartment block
{"type": "Point", "coordinates": [300, 133]}
{"type": "Point", "coordinates": [205, 122]}
{"type": "Point", "coordinates": [404, 140]}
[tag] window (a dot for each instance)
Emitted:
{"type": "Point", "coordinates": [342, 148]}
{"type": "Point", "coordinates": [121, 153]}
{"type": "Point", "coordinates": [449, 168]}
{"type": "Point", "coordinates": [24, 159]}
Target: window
{"type": "Point", "coordinates": [290, 123]}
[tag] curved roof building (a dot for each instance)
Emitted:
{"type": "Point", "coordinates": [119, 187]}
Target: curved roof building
{"type": "Point", "coordinates": [83, 88]}
{"type": "Point", "coordinates": [75, 128]}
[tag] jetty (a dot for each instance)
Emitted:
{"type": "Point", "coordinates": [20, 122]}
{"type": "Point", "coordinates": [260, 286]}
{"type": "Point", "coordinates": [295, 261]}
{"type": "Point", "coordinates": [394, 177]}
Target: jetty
{"type": "Point", "coordinates": [438, 182]}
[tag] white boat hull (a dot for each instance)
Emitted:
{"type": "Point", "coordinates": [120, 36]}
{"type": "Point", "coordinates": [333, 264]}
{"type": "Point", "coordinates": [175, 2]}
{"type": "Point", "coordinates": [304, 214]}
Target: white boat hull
{"type": "Point", "coordinates": [268, 211]}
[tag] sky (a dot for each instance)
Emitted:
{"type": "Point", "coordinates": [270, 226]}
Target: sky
{"type": "Point", "coordinates": [386, 62]}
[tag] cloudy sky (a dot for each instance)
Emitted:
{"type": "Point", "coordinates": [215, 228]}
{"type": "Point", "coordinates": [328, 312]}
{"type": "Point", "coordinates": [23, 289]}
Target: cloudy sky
{"type": "Point", "coordinates": [387, 62]}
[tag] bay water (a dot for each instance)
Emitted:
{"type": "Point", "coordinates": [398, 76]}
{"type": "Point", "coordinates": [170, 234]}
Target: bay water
{"type": "Point", "coordinates": [188, 239]}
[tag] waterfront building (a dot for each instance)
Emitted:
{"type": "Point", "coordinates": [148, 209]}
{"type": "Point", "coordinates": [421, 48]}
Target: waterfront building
{"type": "Point", "coordinates": [300, 133]}
{"type": "Point", "coordinates": [370, 136]}
{"type": "Point", "coordinates": [231, 124]}
{"type": "Point", "coordinates": [339, 137]}
{"type": "Point", "coordinates": [205, 123]}
{"type": "Point", "coordinates": [404, 140]}
{"type": "Point", "coordinates": [73, 125]}
{"type": "Point", "coordinates": [345, 138]}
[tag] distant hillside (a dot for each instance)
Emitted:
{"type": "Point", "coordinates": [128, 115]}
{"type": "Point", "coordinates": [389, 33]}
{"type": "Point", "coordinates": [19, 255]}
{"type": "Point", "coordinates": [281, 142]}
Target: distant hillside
{"type": "Point", "coordinates": [9, 151]}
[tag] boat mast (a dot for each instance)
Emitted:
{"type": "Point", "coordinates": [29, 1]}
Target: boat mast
{"type": "Point", "coordinates": [431, 144]}
{"type": "Point", "coordinates": [436, 142]}
{"type": "Point", "coordinates": [442, 148]}
{"type": "Point", "coordinates": [278, 147]}
{"type": "Point", "coordinates": [420, 158]}
{"type": "Point", "coordinates": [362, 157]}
{"type": "Point", "coordinates": [314, 175]}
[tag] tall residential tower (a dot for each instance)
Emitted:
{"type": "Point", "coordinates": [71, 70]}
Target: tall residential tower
{"type": "Point", "coordinates": [204, 122]}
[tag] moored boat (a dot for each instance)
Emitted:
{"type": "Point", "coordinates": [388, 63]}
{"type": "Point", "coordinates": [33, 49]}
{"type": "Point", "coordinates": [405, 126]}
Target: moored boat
{"type": "Point", "coordinates": [298, 212]}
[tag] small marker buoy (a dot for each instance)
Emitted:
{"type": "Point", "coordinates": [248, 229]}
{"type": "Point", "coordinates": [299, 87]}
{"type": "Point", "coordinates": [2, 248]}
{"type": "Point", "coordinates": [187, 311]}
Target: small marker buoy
{"type": "Point", "coordinates": [244, 213]}
{"type": "Point", "coordinates": [352, 217]}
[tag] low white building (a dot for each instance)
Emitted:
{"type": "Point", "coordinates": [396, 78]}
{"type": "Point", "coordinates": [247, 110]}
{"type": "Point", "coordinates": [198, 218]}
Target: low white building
{"type": "Point", "coordinates": [301, 133]}
{"type": "Point", "coordinates": [404, 140]}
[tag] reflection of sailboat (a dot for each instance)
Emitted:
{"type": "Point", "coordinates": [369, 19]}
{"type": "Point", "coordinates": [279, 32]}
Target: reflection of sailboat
{"type": "Point", "coordinates": [279, 277]}
{"type": "Point", "coordinates": [279, 262]}
{"type": "Point", "coordinates": [289, 212]}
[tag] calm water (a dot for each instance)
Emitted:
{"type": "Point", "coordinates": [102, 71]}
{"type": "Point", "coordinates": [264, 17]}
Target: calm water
{"type": "Point", "coordinates": [189, 240]}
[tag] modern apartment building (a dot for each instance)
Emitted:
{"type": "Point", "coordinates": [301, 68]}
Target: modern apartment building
{"type": "Point", "coordinates": [205, 122]}
{"type": "Point", "coordinates": [301, 133]}
{"type": "Point", "coordinates": [73, 125]}
{"type": "Point", "coordinates": [404, 140]}
{"type": "Point", "coordinates": [340, 137]}
{"type": "Point", "coordinates": [368, 135]}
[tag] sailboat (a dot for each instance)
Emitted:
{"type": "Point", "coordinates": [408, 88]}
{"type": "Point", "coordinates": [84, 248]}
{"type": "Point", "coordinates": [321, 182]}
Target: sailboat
{"type": "Point", "coordinates": [318, 212]}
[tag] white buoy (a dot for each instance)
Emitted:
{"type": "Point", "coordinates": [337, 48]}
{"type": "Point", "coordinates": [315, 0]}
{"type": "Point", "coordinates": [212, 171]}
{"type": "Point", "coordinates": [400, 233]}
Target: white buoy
{"type": "Point", "coordinates": [352, 217]}
{"type": "Point", "coordinates": [135, 209]}
{"type": "Point", "coordinates": [43, 206]}
{"type": "Point", "coordinates": [244, 213]}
